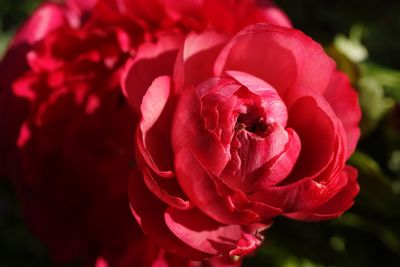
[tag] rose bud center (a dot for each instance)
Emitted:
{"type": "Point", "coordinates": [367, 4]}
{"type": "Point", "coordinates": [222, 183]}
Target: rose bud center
{"type": "Point", "coordinates": [253, 121]}
{"type": "Point", "coordinates": [248, 118]}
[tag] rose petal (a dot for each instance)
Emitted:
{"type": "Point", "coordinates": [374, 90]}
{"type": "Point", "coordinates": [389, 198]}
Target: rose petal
{"type": "Point", "coordinates": [344, 101]}
{"type": "Point", "coordinates": [166, 190]}
{"type": "Point", "coordinates": [149, 213]}
{"type": "Point", "coordinates": [201, 232]}
{"type": "Point", "coordinates": [14, 63]}
{"type": "Point", "coordinates": [317, 133]}
{"type": "Point", "coordinates": [334, 207]}
{"type": "Point", "coordinates": [301, 196]}
{"type": "Point", "coordinates": [151, 61]}
{"type": "Point", "coordinates": [291, 59]}
{"type": "Point", "coordinates": [271, 101]}
{"type": "Point", "coordinates": [281, 167]}
{"type": "Point", "coordinates": [196, 58]}
{"type": "Point", "coordinates": [248, 159]}
{"type": "Point", "coordinates": [189, 131]}
{"type": "Point", "coordinates": [152, 136]}
{"type": "Point", "coordinates": [201, 190]}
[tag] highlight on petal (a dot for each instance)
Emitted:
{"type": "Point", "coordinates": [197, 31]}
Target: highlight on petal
{"type": "Point", "coordinates": [201, 190]}
{"type": "Point", "coordinates": [14, 63]}
{"type": "Point", "coordinates": [153, 139]}
{"type": "Point", "coordinates": [151, 61]}
{"type": "Point", "coordinates": [311, 122]}
{"type": "Point", "coordinates": [189, 131]}
{"type": "Point", "coordinates": [291, 59]}
{"type": "Point", "coordinates": [166, 190]}
{"type": "Point", "coordinates": [201, 232]}
{"type": "Point", "coordinates": [301, 196]}
{"type": "Point", "coordinates": [276, 171]}
{"type": "Point", "coordinates": [247, 244]}
{"type": "Point", "coordinates": [149, 213]}
{"type": "Point", "coordinates": [335, 206]}
{"type": "Point", "coordinates": [45, 19]}
{"type": "Point", "coordinates": [275, 16]}
{"type": "Point", "coordinates": [344, 101]}
{"type": "Point", "coordinates": [196, 58]}
{"type": "Point", "coordinates": [271, 101]}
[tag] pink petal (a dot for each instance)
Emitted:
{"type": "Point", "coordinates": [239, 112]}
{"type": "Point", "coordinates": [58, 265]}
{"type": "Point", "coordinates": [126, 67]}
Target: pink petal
{"type": "Point", "coordinates": [80, 6]}
{"type": "Point", "coordinates": [338, 204]}
{"type": "Point", "coordinates": [247, 244]}
{"type": "Point", "coordinates": [189, 131]}
{"type": "Point", "coordinates": [301, 196]}
{"type": "Point", "coordinates": [154, 153]}
{"type": "Point", "coordinates": [149, 213]}
{"type": "Point", "coordinates": [201, 232]}
{"type": "Point", "coordinates": [275, 15]}
{"type": "Point", "coordinates": [183, 6]}
{"type": "Point", "coordinates": [344, 101]}
{"type": "Point", "coordinates": [202, 191]}
{"type": "Point", "coordinates": [281, 167]}
{"type": "Point", "coordinates": [45, 19]}
{"type": "Point", "coordinates": [317, 131]}
{"type": "Point", "coordinates": [151, 61]}
{"type": "Point", "coordinates": [166, 190]}
{"type": "Point", "coordinates": [223, 261]}
{"type": "Point", "coordinates": [280, 56]}
{"type": "Point", "coordinates": [143, 9]}
{"type": "Point", "coordinates": [253, 154]}
{"type": "Point", "coordinates": [153, 139]}
{"type": "Point", "coordinates": [196, 58]}
{"type": "Point", "coordinates": [275, 107]}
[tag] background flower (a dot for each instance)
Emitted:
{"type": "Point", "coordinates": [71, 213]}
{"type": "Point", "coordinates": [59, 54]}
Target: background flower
{"type": "Point", "coordinates": [67, 132]}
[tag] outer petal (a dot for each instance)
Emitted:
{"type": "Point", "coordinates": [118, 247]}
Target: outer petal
{"type": "Point", "coordinates": [275, 15]}
{"type": "Point", "coordinates": [154, 153]}
{"type": "Point", "coordinates": [196, 58]}
{"type": "Point", "coordinates": [312, 120]}
{"type": "Point", "coordinates": [291, 59]}
{"type": "Point", "coordinates": [301, 196]}
{"type": "Point", "coordinates": [202, 191]}
{"type": "Point", "coordinates": [151, 11]}
{"type": "Point", "coordinates": [338, 204]}
{"type": "Point", "coordinates": [344, 101]}
{"type": "Point", "coordinates": [152, 60]}
{"type": "Point", "coordinates": [224, 262]}
{"type": "Point", "coordinates": [149, 213]}
{"type": "Point", "coordinates": [201, 232]}
{"type": "Point", "coordinates": [81, 6]}
{"type": "Point", "coordinates": [166, 190]}
{"type": "Point", "coordinates": [231, 16]}
{"type": "Point", "coordinates": [205, 234]}
{"type": "Point", "coordinates": [153, 140]}
{"type": "Point", "coordinates": [45, 19]}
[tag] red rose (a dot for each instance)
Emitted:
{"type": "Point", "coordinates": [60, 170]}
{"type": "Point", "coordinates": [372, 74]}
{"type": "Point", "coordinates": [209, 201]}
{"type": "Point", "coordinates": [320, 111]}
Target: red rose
{"type": "Point", "coordinates": [236, 132]}
{"type": "Point", "coordinates": [223, 15]}
{"type": "Point", "coordinates": [75, 155]}
{"type": "Point", "coordinates": [74, 133]}
{"type": "Point", "coordinates": [14, 64]}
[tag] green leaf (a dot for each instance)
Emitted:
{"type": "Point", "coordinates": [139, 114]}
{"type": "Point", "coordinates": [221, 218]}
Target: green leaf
{"type": "Point", "coordinates": [387, 78]}
{"type": "Point", "coordinates": [352, 47]}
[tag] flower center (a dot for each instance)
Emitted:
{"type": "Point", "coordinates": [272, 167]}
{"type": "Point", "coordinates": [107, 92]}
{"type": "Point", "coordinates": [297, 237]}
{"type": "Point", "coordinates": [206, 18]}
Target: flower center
{"type": "Point", "coordinates": [252, 121]}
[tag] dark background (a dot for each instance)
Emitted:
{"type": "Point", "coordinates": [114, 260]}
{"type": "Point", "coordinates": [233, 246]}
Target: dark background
{"type": "Point", "coordinates": [364, 39]}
